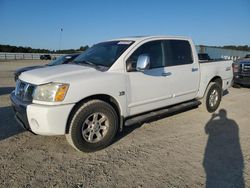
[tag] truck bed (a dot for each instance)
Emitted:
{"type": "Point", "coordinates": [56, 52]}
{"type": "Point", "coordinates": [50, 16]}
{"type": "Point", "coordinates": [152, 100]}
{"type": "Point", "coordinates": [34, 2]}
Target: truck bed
{"type": "Point", "coordinates": [213, 69]}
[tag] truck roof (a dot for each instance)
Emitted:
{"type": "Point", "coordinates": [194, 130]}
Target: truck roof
{"type": "Point", "coordinates": [141, 38]}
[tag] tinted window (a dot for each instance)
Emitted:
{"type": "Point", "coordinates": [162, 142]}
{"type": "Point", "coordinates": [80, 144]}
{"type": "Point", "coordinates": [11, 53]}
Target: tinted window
{"type": "Point", "coordinates": [178, 52]}
{"type": "Point", "coordinates": [153, 50]}
{"type": "Point", "coordinates": [203, 57]}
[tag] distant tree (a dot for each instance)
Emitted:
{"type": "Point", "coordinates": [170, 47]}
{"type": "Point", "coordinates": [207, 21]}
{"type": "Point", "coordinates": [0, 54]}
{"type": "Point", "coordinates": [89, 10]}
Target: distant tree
{"type": "Point", "coordinates": [232, 47]}
{"type": "Point", "coordinates": [21, 49]}
{"type": "Point", "coordinates": [69, 51]}
{"type": "Point", "coordinates": [83, 48]}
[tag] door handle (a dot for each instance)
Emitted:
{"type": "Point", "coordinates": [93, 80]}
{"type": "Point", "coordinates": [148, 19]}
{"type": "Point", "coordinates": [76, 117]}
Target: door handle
{"type": "Point", "coordinates": [194, 69]}
{"type": "Point", "coordinates": [166, 74]}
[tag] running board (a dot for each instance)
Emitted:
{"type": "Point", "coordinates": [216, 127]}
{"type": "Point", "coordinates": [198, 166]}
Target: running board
{"type": "Point", "coordinates": [161, 112]}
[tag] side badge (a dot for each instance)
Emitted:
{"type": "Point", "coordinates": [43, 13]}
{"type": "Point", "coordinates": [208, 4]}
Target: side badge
{"type": "Point", "coordinates": [121, 93]}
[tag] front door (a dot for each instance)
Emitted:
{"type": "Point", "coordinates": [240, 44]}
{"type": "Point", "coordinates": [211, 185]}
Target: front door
{"type": "Point", "coordinates": [150, 89]}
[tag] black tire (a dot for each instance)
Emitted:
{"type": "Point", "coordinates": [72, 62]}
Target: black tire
{"type": "Point", "coordinates": [235, 85]}
{"type": "Point", "coordinates": [213, 86]}
{"type": "Point", "coordinates": [75, 134]}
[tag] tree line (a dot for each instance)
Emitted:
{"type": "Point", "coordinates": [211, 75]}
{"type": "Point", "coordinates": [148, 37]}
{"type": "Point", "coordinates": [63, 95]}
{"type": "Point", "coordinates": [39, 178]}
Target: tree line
{"type": "Point", "coordinates": [242, 48]}
{"type": "Point", "coordinates": [21, 49]}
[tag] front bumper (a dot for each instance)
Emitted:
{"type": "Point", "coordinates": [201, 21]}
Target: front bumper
{"type": "Point", "coordinates": [41, 119]}
{"type": "Point", "coordinates": [240, 79]}
{"type": "Point", "coordinates": [19, 109]}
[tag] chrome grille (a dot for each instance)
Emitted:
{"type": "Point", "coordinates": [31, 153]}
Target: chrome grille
{"type": "Point", "coordinates": [246, 68]}
{"type": "Point", "coordinates": [24, 91]}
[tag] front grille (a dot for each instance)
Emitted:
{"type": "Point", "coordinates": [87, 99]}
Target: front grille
{"type": "Point", "coordinates": [24, 91]}
{"type": "Point", "coordinates": [246, 68]}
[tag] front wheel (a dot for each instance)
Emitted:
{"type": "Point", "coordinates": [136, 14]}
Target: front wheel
{"type": "Point", "coordinates": [235, 85]}
{"type": "Point", "coordinates": [212, 97]}
{"type": "Point", "coordinates": [93, 126]}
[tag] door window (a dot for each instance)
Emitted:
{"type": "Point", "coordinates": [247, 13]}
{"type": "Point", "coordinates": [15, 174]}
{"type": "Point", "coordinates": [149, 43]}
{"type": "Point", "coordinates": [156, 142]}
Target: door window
{"type": "Point", "coordinates": [153, 49]}
{"type": "Point", "coordinates": [178, 52]}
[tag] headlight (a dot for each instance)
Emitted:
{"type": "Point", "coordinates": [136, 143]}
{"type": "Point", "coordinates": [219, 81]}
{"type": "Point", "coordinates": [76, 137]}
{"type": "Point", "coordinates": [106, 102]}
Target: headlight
{"type": "Point", "coordinates": [236, 68]}
{"type": "Point", "coordinates": [52, 92]}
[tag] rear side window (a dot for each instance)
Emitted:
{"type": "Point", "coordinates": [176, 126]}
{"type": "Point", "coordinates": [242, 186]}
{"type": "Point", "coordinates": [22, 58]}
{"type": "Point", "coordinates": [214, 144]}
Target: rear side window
{"type": "Point", "coordinates": [178, 52]}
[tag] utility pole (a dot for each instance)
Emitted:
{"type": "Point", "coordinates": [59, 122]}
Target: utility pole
{"type": "Point", "coordinates": [60, 40]}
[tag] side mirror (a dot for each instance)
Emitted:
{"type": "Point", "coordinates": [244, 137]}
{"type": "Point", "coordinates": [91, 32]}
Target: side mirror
{"type": "Point", "coordinates": [143, 62]}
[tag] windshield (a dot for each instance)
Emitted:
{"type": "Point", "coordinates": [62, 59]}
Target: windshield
{"type": "Point", "coordinates": [103, 54]}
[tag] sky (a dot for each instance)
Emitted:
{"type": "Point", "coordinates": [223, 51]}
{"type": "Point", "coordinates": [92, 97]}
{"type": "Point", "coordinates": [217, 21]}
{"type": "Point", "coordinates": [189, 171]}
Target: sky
{"type": "Point", "coordinates": [38, 23]}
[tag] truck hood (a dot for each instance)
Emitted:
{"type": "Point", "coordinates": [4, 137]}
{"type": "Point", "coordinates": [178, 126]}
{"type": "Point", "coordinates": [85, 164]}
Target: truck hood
{"type": "Point", "coordinates": [24, 69]}
{"type": "Point", "coordinates": [59, 73]}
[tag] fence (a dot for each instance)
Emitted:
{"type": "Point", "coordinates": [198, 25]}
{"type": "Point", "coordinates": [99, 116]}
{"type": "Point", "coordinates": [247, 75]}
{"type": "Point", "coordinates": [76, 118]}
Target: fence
{"type": "Point", "coordinates": [25, 56]}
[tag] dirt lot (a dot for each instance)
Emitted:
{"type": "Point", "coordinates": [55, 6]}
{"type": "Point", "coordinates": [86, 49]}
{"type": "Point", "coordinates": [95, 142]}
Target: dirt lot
{"type": "Point", "coordinates": [190, 149]}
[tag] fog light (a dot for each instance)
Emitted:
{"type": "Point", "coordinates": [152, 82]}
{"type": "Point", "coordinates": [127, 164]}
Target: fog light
{"type": "Point", "coordinates": [34, 123]}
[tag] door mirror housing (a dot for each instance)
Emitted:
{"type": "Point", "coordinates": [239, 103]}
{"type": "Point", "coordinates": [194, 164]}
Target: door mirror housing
{"type": "Point", "coordinates": [143, 62]}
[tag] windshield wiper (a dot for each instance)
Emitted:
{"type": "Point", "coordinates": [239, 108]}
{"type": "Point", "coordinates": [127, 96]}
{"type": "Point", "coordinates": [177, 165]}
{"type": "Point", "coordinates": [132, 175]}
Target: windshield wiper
{"type": "Point", "coordinates": [89, 63]}
{"type": "Point", "coordinates": [85, 62]}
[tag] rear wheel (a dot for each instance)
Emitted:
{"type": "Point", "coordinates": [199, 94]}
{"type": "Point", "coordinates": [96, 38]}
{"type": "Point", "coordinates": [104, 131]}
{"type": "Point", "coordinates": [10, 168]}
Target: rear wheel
{"type": "Point", "coordinates": [212, 98]}
{"type": "Point", "coordinates": [93, 126]}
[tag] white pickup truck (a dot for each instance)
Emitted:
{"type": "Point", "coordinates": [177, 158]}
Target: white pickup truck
{"type": "Point", "coordinates": [114, 84]}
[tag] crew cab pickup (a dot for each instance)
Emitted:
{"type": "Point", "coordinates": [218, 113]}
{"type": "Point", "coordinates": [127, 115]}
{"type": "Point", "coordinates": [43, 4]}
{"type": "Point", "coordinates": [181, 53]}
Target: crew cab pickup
{"type": "Point", "coordinates": [61, 60]}
{"type": "Point", "coordinates": [114, 84]}
{"type": "Point", "coordinates": [241, 69]}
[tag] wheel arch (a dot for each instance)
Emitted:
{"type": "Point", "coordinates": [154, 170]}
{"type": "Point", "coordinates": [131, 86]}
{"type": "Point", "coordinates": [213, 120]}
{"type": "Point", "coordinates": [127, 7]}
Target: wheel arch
{"type": "Point", "coordinates": [104, 97]}
{"type": "Point", "coordinates": [216, 79]}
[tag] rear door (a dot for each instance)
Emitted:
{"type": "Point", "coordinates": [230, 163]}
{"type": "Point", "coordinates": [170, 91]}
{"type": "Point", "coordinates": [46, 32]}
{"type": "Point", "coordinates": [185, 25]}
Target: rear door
{"type": "Point", "coordinates": [183, 70]}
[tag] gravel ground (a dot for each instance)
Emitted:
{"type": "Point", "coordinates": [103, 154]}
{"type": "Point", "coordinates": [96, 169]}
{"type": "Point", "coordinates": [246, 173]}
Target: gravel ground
{"type": "Point", "coordinates": [189, 149]}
